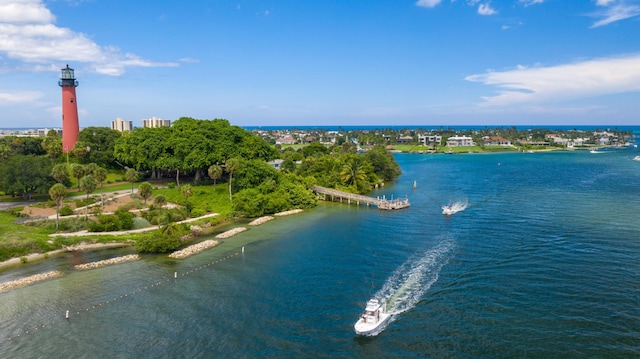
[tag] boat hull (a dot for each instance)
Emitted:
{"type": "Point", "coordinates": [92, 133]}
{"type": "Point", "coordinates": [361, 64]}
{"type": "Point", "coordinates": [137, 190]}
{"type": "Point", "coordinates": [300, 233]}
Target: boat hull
{"type": "Point", "coordinates": [372, 329]}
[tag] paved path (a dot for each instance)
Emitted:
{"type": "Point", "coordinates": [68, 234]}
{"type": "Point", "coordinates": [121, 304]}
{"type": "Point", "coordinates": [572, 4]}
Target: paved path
{"type": "Point", "coordinates": [118, 233]}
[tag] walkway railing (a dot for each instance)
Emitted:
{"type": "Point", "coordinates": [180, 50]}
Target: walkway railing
{"type": "Point", "coordinates": [381, 203]}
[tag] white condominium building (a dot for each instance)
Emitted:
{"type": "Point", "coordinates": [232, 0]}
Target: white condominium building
{"type": "Point", "coordinates": [155, 122]}
{"type": "Point", "coordinates": [121, 125]}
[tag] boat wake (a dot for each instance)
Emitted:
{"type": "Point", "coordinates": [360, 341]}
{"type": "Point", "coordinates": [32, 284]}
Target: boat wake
{"type": "Point", "coordinates": [454, 208]}
{"type": "Point", "coordinates": [411, 280]}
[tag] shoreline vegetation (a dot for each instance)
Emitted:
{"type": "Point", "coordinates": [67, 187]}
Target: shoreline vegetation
{"type": "Point", "coordinates": [179, 254]}
{"type": "Point", "coordinates": [227, 174]}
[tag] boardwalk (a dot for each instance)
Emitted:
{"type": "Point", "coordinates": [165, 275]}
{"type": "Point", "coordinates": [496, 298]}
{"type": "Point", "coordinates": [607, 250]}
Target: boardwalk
{"type": "Point", "coordinates": [381, 203]}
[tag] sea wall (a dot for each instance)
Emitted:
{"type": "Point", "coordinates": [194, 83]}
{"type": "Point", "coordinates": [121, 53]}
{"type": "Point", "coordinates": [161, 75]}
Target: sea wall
{"type": "Point", "coordinates": [287, 213]}
{"type": "Point", "coordinates": [106, 262]}
{"type": "Point", "coordinates": [261, 220]}
{"type": "Point", "coordinates": [196, 248]}
{"type": "Point", "coordinates": [29, 280]}
{"type": "Point", "coordinates": [231, 233]}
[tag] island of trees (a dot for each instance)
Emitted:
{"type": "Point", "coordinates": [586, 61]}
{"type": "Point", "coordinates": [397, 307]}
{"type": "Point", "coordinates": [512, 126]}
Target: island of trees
{"type": "Point", "coordinates": [201, 166]}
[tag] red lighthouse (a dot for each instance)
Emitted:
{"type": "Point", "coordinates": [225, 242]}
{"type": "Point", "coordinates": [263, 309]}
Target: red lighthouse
{"type": "Point", "coordinates": [70, 125]}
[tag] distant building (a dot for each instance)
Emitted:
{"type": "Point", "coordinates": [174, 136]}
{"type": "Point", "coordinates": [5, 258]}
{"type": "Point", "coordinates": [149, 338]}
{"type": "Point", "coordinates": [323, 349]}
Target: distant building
{"type": "Point", "coordinates": [455, 141]}
{"type": "Point", "coordinates": [429, 139]}
{"type": "Point", "coordinates": [285, 140]}
{"type": "Point", "coordinates": [121, 125]}
{"type": "Point", "coordinates": [44, 131]}
{"type": "Point", "coordinates": [277, 163]}
{"type": "Point", "coordinates": [404, 139]}
{"type": "Point", "coordinates": [496, 141]}
{"type": "Point", "coordinates": [155, 122]}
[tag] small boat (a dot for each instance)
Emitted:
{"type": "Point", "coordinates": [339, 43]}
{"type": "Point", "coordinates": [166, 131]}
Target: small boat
{"type": "Point", "coordinates": [447, 210]}
{"type": "Point", "coordinates": [594, 151]}
{"type": "Point", "coordinates": [636, 158]}
{"type": "Point", "coordinates": [451, 209]}
{"type": "Point", "coordinates": [373, 320]}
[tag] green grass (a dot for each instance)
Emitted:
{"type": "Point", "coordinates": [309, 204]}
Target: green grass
{"type": "Point", "coordinates": [17, 240]}
{"type": "Point", "coordinates": [203, 197]}
{"type": "Point", "coordinates": [295, 147]}
{"type": "Point", "coordinates": [119, 187]}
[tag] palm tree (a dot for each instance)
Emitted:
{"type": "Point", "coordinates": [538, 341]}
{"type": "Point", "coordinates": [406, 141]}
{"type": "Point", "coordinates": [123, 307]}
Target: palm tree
{"type": "Point", "coordinates": [60, 172]}
{"type": "Point", "coordinates": [88, 185]}
{"type": "Point", "coordinates": [215, 171]}
{"type": "Point", "coordinates": [78, 171]}
{"type": "Point", "coordinates": [100, 174]}
{"type": "Point", "coordinates": [232, 166]}
{"type": "Point", "coordinates": [144, 190]}
{"type": "Point", "coordinates": [57, 192]}
{"type": "Point", "coordinates": [131, 176]}
{"type": "Point", "coordinates": [160, 200]}
{"type": "Point", "coordinates": [352, 172]}
{"type": "Point", "coordinates": [169, 225]}
{"type": "Point", "coordinates": [186, 191]}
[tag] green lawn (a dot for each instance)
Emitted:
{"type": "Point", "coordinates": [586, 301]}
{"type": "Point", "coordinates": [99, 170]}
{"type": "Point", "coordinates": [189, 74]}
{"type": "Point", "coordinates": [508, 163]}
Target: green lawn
{"type": "Point", "coordinates": [204, 197]}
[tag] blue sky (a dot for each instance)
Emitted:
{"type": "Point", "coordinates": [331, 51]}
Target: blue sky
{"type": "Point", "coordinates": [331, 62]}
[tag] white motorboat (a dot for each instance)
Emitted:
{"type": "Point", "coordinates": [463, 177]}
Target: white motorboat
{"type": "Point", "coordinates": [451, 209]}
{"type": "Point", "coordinates": [373, 320]}
{"type": "Point", "coordinates": [447, 210]}
{"type": "Point", "coordinates": [636, 158]}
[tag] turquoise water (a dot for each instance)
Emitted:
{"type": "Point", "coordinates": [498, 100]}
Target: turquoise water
{"type": "Point", "coordinates": [542, 263]}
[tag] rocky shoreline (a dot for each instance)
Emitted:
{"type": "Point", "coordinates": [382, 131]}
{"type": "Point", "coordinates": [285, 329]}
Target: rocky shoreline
{"type": "Point", "coordinates": [106, 262]}
{"type": "Point", "coordinates": [194, 249]}
{"type": "Point", "coordinates": [29, 280]}
{"type": "Point", "coordinates": [287, 213]}
{"type": "Point", "coordinates": [232, 232]}
{"type": "Point", "coordinates": [261, 220]}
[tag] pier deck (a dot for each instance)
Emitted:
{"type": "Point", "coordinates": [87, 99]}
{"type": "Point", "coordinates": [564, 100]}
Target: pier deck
{"type": "Point", "coordinates": [381, 203]}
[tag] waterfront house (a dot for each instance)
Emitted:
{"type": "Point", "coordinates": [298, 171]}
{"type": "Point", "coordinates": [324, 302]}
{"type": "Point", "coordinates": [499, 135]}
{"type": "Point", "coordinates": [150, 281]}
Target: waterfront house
{"type": "Point", "coordinates": [459, 141]}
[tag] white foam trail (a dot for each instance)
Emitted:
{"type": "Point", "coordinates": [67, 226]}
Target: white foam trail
{"type": "Point", "coordinates": [411, 280]}
{"type": "Point", "coordinates": [455, 207]}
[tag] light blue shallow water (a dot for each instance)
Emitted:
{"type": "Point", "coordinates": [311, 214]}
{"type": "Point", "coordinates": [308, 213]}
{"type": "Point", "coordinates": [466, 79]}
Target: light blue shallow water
{"type": "Point", "coordinates": [543, 263]}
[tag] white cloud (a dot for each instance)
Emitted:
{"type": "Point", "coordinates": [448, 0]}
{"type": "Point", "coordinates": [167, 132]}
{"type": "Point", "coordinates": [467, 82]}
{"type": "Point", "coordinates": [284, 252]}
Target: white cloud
{"type": "Point", "coordinates": [531, 2]}
{"type": "Point", "coordinates": [604, 2]}
{"type": "Point", "coordinates": [485, 9]}
{"type": "Point", "coordinates": [615, 12]}
{"type": "Point", "coordinates": [428, 3]}
{"type": "Point", "coordinates": [25, 11]}
{"type": "Point", "coordinates": [27, 34]}
{"type": "Point", "coordinates": [16, 97]}
{"type": "Point", "coordinates": [563, 82]}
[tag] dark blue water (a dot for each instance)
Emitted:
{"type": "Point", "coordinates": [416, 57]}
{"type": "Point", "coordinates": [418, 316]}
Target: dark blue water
{"type": "Point", "coordinates": [543, 263]}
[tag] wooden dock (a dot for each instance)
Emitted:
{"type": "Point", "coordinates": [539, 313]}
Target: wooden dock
{"type": "Point", "coordinates": [381, 203]}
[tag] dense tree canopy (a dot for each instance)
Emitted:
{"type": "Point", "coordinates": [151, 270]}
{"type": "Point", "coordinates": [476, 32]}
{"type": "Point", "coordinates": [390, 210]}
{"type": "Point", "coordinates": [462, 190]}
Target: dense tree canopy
{"type": "Point", "coordinates": [23, 175]}
{"type": "Point", "coordinates": [189, 146]}
{"type": "Point", "coordinates": [101, 142]}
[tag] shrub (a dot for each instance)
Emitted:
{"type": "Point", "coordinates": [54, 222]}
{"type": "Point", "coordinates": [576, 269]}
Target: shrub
{"type": "Point", "coordinates": [125, 220]}
{"type": "Point", "coordinates": [96, 227]}
{"type": "Point", "coordinates": [66, 210]}
{"type": "Point", "coordinates": [171, 185]}
{"type": "Point", "coordinates": [17, 211]}
{"type": "Point", "coordinates": [197, 212]}
{"type": "Point", "coordinates": [155, 243]}
{"type": "Point", "coordinates": [23, 259]}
